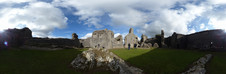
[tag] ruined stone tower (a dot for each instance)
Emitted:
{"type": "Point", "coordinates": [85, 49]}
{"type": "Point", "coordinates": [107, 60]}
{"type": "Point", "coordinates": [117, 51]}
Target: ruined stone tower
{"type": "Point", "coordinates": [143, 38]}
{"type": "Point", "coordinates": [131, 39]}
{"type": "Point", "coordinates": [162, 39]}
{"type": "Point", "coordinates": [74, 36]}
{"type": "Point", "coordinates": [76, 40]}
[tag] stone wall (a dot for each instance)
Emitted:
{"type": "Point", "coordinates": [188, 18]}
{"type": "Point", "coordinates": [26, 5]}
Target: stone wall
{"type": "Point", "coordinates": [15, 37]}
{"type": "Point", "coordinates": [203, 39]}
{"type": "Point", "coordinates": [52, 42]}
{"type": "Point", "coordinates": [2, 39]}
{"type": "Point", "coordinates": [102, 39]}
{"type": "Point", "coordinates": [76, 40]}
{"type": "Point", "coordinates": [210, 39]}
{"type": "Point", "coordinates": [143, 38]}
{"type": "Point", "coordinates": [176, 40]}
{"type": "Point", "coordinates": [118, 42]}
{"type": "Point", "coordinates": [151, 40]}
{"type": "Point", "coordinates": [131, 39]}
{"type": "Point", "coordinates": [142, 43]}
{"type": "Point", "coordinates": [158, 40]}
{"type": "Point", "coordinates": [85, 42]}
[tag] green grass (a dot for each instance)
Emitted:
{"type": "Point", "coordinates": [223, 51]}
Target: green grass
{"type": "Point", "coordinates": [17, 61]}
{"type": "Point", "coordinates": [159, 60]}
{"type": "Point", "coordinates": [152, 61]}
{"type": "Point", "coordinates": [217, 65]}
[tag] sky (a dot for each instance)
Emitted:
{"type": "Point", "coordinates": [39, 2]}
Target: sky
{"type": "Point", "coordinates": [61, 18]}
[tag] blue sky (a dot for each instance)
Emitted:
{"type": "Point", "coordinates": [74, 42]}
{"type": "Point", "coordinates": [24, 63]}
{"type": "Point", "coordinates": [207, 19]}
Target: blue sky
{"type": "Point", "coordinates": [61, 18]}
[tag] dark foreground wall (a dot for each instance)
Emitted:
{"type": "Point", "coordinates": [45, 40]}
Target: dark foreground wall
{"type": "Point", "coordinates": [14, 37]}
{"type": "Point", "coordinates": [210, 39]}
{"type": "Point", "coordinates": [207, 39]}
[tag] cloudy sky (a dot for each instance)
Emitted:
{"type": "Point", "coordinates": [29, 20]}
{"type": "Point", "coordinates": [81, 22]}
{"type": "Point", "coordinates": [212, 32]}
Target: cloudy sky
{"type": "Point", "coordinates": [61, 18]}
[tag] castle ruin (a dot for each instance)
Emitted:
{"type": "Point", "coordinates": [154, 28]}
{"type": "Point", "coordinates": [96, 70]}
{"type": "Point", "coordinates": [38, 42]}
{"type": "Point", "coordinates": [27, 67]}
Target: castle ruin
{"type": "Point", "coordinates": [209, 39]}
{"type": "Point", "coordinates": [131, 39]}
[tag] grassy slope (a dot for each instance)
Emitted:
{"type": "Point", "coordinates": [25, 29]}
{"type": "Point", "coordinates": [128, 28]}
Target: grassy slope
{"type": "Point", "coordinates": [159, 60]}
{"type": "Point", "coordinates": [37, 61]}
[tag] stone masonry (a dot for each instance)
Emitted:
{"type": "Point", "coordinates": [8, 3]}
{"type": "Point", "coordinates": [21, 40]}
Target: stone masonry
{"type": "Point", "coordinates": [102, 39]}
{"type": "Point", "coordinates": [131, 39]}
{"type": "Point", "coordinates": [118, 42]}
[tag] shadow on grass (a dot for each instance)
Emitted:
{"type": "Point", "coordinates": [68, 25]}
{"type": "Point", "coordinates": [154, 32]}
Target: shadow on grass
{"type": "Point", "coordinates": [21, 61]}
{"type": "Point", "coordinates": [217, 64]}
{"type": "Point", "coordinates": [159, 60]}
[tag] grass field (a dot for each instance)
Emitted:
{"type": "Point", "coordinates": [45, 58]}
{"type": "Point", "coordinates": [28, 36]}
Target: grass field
{"type": "Point", "coordinates": [154, 60]}
{"type": "Point", "coordinates": [217, 65]}
{"type": "Point", "coordinates": [160, 61]}
{"type": "Point", "coordinates": [16, 61]}
{"type": "Point", "coordinates": [170, 61]}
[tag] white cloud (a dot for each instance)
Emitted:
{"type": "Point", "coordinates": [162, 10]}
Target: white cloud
{"type": "Point", "coordinates": [51, 36]}
{"type": "Point", "coordinates": [123, 35]}
{"type": "Point", "coordinates": [217, 17]}
{"type": "Point", "coordinates": [131, 18]}
{"type": "Point", "coordinates": [217, 1]}
{"type": "Point", "coordinates": [42, 18]}
{"type": "Point", "coordinates": [16, 1]}
{"type": "Point", "coordinates": [139, 38]}
{"type": "Point", "coordinates": [121, 12]}
{"type": "Point", "coordinates": [202, 26]}
{"type": "Point", "coordinates": [172, 20]}
{"type": "Point", "coordinates": [149, 15]}
{"type": "Point", "coordinates": [191, 31]}
{"type": "Point", "coordinates": [87, 35]}
{"type": "Point", "coordinates": [218, 24]}
{"type": "Point", "coordinates": [116, 34]}
{"type": "Point", "coordinates": [54, 36]}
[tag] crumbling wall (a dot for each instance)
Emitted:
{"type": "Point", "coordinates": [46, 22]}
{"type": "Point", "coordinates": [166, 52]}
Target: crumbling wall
{"type": "Point", "coordinates": [102, 39]}
{"type": "Point", "coordinates": [15, 37]}
{"type": "Point", "coordinates": [143, 38]}
{"type": "Point", "coordinates": [85, 42]}
{"type": "Point", "coordinates": [118, 42]}
{"type": "Point", "coordinates": [76, 40]}
{"type": "Point", "coordinates": [158, 39]}
{"type": "Point", "coordinates": [142, 42]}
{"type": "Point", "coordinates": [54, 42]}
{"type": "Point", "coordinates": [131, 39]}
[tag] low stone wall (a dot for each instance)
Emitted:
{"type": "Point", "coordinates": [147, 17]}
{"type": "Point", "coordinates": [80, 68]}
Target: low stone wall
{"type": "Point", "coordinates": [199, 66]}
{"type": "Point", "coordinates": [52, 42]}
{"type": "Point", "coordinates": [39, 48]}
